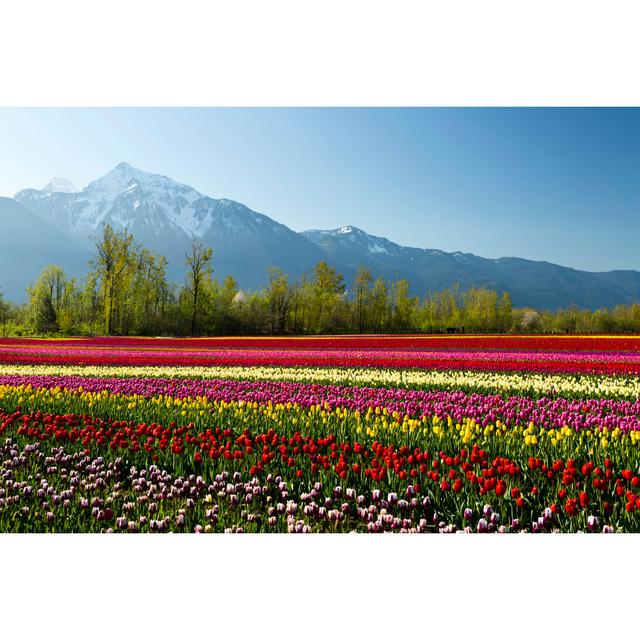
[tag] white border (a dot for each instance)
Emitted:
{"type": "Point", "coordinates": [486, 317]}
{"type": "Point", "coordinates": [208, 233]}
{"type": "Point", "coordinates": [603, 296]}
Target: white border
{"type": "Point", "coordinates": [335, 52]}
{"type": "Point", "coordinates": [461, 52]}
{"type": "Point", "coordinates": [325, 586]}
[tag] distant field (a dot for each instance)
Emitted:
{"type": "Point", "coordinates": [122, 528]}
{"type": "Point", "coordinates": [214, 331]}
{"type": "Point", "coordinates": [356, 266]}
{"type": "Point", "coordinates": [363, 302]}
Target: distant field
{"type": "Point", "coordinates": [552, 354]}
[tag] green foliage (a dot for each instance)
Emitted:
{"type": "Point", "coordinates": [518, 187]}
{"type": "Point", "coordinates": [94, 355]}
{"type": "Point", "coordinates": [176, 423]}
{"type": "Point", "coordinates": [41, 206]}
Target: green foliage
{"type": "Point", "coordinates": [362, 286]}
{"type": "Point", "coordinates": [127, 293]}
{"type": "Point", "coordinates": [48, 297]}
{"type": "Point", "coordinates": [115, 268]}
{"type": "Point", "coordinates": [327, 289]}
{"type": "Point", "coordinates": [5, 313]}
{"type": "Point", "coordinates": [278, 297]}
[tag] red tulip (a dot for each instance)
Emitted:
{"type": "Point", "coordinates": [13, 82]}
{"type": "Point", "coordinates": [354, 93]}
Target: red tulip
{"type": "Point", "coordinates": [571, 506]}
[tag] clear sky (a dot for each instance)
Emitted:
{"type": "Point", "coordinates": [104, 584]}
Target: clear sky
{"type": "Point", "coordinates": [561, 185]}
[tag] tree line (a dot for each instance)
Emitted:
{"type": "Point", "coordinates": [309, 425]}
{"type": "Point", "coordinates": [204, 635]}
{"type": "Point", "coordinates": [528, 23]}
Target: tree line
{"type": "Point", "coordinates": [126, 292]}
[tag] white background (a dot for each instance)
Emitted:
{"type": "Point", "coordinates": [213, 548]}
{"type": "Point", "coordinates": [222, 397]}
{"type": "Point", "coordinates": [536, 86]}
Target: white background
{"type": "Point", "coordinates": [75, 53]}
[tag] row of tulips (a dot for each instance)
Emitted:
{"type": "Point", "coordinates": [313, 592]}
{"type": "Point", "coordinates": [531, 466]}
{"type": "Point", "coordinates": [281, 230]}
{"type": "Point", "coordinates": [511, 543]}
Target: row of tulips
{"type": "Point", "coordinates": [577, 362]}
{"type": "Point", "coordinates": [364, 407]}
{"type": "Point", "coordinates": [523, 383]}
{"type": "Point", "coordinates": [615, 343]}
{"type": "Point", "coordinates": [81, 473]}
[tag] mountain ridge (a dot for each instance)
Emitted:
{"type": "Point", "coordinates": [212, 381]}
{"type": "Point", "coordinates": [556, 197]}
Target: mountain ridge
{"type": "Point", "coordinates": [164, 215]}
{"type": "Point", "coordinates": [535, 283]}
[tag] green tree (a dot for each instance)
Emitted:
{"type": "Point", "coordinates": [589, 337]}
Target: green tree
{"type": "Point", "coordinates": [442, 310]}
{"type": "Point", "coordinates": [404, 307]}
{"type": "Point", "coordinates": [480, 310]}
{"type": "Point", "coordinates": [362, 286]}
{"type": "Point", "coordinates": [327, 289]}
{"type": "Point", "coordinates": [115, 266]}
{"type": "Point", "coordinates": [301, 304]}
{"type": "Point", "coordinates": [150, 293]}
{"type": "Point", "coordinates": [379, 306]}
{"type": "Point", "coordinates": [228, 321]}
{"type": "Point", "coordinates": [45, 315]}
{"type": "Point", "coordinates": [5, 311]}
{"type": "Point", "coordinates": [89, 303]}
{"type": "Point", "coordinates": [279, 297]}
{"type": "Point", "coordinates": [505, 313]}
{"type": "Point", "coordinates": [49, 298]}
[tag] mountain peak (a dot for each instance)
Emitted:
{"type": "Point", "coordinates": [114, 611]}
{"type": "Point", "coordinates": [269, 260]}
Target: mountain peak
{"type": "Point", "coordinates": [347, 230]}
{"type": "Point", "coordinates": [111, 184]}
{"type": "Point", "coordinates": [164, 215]}
{"type": "Point", "coordinates": [122, 178]}
{"type": "Point", "coordinates": [118, 177]}
{"type": "Point", "coordinates": [60, 185]}
{"type": "Point", "coordinates": [351, 239]}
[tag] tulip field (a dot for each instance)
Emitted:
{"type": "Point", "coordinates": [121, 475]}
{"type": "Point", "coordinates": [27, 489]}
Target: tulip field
{"type": "Point", "coordinates": [415, 434]}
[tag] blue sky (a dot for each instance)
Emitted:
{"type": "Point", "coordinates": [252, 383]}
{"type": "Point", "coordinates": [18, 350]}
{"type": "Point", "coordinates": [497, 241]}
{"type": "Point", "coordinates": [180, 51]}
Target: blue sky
{"type": "Point", "coordinates": [561, 185]}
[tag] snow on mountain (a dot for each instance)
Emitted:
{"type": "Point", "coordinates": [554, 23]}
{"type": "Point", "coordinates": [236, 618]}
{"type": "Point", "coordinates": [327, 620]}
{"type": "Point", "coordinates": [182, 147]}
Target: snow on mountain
{"type": "Point", "coordinates": [125, 198]}
{"type": "Point", "coordinates": [144, 203]}
{"type": "Point", "coordinates": [59, 185]}
{"type": "Point", "coordinates": [164, 215]}
{"type": "Point", "coordinates": [353, 239]}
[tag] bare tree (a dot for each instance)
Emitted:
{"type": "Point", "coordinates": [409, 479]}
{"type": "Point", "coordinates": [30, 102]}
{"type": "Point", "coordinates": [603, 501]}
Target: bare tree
{"type": "Point", "coordinates": [200, 270]}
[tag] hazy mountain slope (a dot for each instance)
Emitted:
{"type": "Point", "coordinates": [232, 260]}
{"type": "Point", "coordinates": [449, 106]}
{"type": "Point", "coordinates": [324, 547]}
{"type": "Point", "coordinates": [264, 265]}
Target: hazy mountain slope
{"type": "Point", "coordinates": [27, 244]}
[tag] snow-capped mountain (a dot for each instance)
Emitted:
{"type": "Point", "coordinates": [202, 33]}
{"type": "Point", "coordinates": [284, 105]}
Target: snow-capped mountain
{"type": "Point", "coordinates": [125, 198]}
{"type": "Point", "coordinates": [165, 215]}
